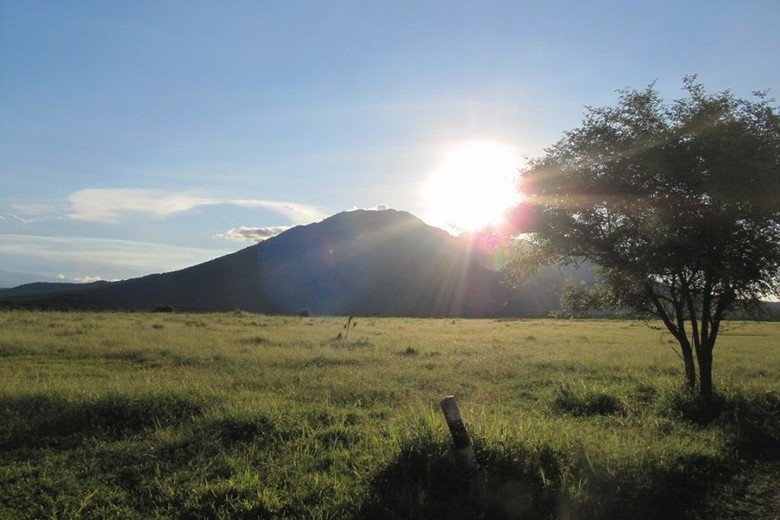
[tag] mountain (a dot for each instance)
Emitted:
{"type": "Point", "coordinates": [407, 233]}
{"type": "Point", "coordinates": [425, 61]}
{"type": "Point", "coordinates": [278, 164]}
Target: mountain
{"type": "Point", "coordinates": [383, 263]}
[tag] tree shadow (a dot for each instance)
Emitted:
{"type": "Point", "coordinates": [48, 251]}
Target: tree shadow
{"type": "Point", "coordinates": [426, 481]}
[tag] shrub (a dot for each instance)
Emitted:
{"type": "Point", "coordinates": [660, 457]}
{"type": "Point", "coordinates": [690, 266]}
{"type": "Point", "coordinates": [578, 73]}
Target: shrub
{"type": "Point", "coordinates": [681, 404]}
{"type": "Point", "coordinates": [592, 403]}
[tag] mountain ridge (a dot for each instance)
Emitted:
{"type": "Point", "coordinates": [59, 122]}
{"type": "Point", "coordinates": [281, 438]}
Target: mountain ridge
{"type": "Point", "coordinates": [362, 262]}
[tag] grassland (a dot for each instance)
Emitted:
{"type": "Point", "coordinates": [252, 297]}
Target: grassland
{"type": "Point", "coordinates": [111, 415]}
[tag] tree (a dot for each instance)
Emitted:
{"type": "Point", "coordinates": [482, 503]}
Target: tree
{"type": "Point", "coordinates": [677, 204]}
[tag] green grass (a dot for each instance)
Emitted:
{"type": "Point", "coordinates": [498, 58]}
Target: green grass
{"type": "Point", "coordinates": [112, 415]}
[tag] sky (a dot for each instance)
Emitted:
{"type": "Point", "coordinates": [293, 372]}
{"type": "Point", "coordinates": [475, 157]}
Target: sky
{"type": "Point", "coordinates": [147, 136]}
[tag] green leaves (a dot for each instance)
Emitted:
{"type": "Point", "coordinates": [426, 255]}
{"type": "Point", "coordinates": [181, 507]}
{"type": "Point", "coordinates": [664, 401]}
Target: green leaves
{"type": "Point", "coordinates": [678, 203]}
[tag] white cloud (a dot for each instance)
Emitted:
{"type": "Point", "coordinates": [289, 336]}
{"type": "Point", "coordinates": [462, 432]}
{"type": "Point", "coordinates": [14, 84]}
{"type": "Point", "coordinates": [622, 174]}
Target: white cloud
{"type": "Point", "coordinates": [252, 234]}
{"type": "Point", "coordinates": [87, 279]}
{"type": "Point", "coordinates": [378, 207]}
{"type": "Point", "coordinates": [297, 213]}
{"type": "Point", "coordinates": [23, 213]}
{"type": "Point", "coordinates": [114, 204]}
{"type": "Point", "coordinates": [17, 218]}
{"type": "Point", "coordinates": [34, 209]}
{"type": "Point", "coordinates": [110, 258]}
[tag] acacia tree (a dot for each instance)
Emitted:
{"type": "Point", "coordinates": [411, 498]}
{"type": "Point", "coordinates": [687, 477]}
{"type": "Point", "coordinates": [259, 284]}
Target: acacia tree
{"type": "Point", "coordinates": [677, 203]}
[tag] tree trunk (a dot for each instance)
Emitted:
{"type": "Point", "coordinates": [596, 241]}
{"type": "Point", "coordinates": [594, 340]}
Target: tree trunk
{"type": "Point", "coordinates": [675, 323]}
{"type": "Point", "coordinates": [690, 365]}
{"type": "Point", "coordinates": [705, 373]}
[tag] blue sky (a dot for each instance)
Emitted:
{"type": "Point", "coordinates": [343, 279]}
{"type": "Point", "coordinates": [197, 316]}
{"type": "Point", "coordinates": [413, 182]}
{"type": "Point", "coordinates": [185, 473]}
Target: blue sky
{"type": "Point", "coordinates": [141, 137]}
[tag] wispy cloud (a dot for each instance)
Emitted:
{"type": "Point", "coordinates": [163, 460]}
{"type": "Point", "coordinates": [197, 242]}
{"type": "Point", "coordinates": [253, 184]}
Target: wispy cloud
{"type": "Point", "coordinates": [30, 213]}
{"type": "Point", "coordinates": [103, 258]}
{"type": "Point", "coordinates": [297, 213]}
{"type": "Point", "coordinates": [113, 205]}
{"type": "Point", "coordinates": [34, 209]}
{"type": "Point", "coordinates": [252, 234]}
{"type": "Point", "coordinates": [15, 218]}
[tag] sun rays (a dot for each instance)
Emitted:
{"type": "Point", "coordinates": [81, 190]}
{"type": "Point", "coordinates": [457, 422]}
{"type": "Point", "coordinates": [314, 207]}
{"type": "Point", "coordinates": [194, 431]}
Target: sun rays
{"type": "Point", "coordinates": [473, 186]}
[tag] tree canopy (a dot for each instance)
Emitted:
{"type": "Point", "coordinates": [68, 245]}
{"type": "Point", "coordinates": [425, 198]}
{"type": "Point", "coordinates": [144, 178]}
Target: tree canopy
{"type": "Point", "coordinates": [677, 203]}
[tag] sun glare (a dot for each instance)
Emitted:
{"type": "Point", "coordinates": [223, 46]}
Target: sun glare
{"type": "Point", "coordinates": [473, 186]}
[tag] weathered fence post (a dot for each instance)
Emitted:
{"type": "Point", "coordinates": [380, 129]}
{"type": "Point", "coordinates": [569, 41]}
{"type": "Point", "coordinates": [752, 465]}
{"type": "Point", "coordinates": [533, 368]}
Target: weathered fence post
{"type": "Point", "coordinates": [460, 436]}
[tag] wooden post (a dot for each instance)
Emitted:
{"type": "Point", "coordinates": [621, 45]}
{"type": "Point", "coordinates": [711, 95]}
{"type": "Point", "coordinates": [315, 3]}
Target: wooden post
{"type": "Point", "coordinates": [460, 436]}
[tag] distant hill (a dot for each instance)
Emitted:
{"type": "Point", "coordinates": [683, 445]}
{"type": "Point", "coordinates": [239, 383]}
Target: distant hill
{"type": "Point", "coordinates": [10, 279]}
{"type": "Point", "coordinates": [772, 310]}
{"type": "Point", "coordinates": [383, 263]}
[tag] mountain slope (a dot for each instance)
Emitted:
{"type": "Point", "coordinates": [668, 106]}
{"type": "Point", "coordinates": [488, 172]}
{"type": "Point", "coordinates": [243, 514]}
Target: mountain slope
{"type": "Point", "coordinates": [386, 263]}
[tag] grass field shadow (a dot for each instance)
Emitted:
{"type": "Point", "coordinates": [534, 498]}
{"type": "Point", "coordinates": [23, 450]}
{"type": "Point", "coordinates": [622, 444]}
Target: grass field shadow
{"type": "Point", "coordinates": [535, 480]}
{"type": "Point", "coordinates": [52, 421]}
{"type": "Point", "coordinates": [425, 480]}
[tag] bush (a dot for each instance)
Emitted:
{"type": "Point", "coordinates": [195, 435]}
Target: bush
{"type": "Point", "coordinates": [592, 403]}
{"type": "Point", "coordinates": [682, 404]}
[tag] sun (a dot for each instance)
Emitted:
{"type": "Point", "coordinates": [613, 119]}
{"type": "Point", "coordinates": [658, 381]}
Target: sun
{"type": "Point", "coordinates": [473, 186]}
